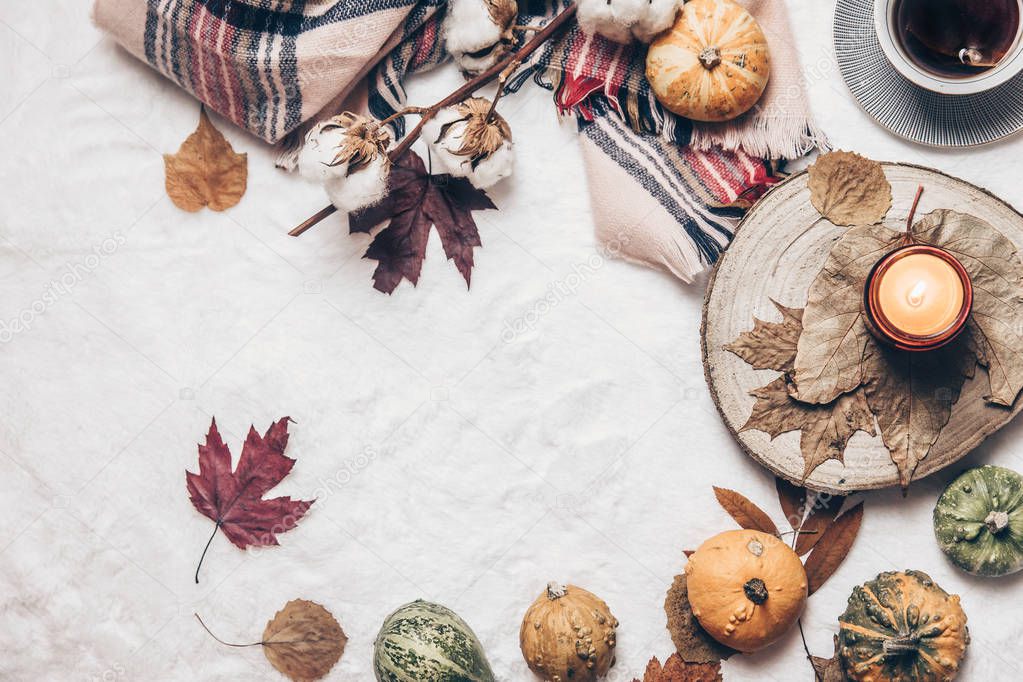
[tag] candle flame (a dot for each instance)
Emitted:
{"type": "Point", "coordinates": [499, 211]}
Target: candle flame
{"type": "Point", "coordinates": [916, 295]}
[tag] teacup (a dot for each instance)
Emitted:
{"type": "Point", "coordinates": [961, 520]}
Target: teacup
{"type": "Point", "coordinates": [980, 80]}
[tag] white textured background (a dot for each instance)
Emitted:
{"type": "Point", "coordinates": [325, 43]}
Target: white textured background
{"type": "Point", "coordinates": [450, 463]}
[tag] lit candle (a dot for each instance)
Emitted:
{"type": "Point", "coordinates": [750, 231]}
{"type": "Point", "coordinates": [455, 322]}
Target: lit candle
{"type": "Point", "coordinates": [918, 297]}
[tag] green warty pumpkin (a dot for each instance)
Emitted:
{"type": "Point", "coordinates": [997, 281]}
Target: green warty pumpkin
{"type": "Point", "coordinates": [979, 521]}
{"type": "Point", "coordinates": [425, 642]}
{"type": "Point", "coordinates": [902, 627]}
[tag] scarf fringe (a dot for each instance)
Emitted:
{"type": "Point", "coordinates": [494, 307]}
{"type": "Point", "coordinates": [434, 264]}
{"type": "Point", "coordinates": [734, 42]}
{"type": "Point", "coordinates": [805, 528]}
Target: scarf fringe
{"type": "Point", "coordinates": [763, 137]}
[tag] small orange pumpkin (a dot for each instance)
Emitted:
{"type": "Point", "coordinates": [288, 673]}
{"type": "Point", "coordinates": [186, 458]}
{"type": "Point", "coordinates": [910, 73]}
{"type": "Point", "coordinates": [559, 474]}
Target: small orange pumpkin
{"type": "Point", "coordinates": [713, 65]}
{"type": "Point", "coordinates": [746, 588]}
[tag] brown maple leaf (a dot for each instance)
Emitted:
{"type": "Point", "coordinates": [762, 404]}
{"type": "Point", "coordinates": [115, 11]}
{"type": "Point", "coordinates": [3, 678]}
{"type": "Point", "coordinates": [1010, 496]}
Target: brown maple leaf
{"type": "Point", "coordinates": [825, 429]}
{"type": "Point", "coordinates": [206, 171]}
{"type": "Point", "coordinates": [912, 395]}
{"type": "Point", "coordinates": [677, 670]}
{"type": "Point", "coordinates": [415, 201]}
{"type": "Point", "coordinates": [771, 345]}
{"type": "Point", "coordinates": [234, 500]}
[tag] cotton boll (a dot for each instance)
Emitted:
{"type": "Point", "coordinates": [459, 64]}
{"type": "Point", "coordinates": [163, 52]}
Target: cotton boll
{"type": "Point", "coordinates": [363, 187]}
{"type": "Point", "coordinates": [658, 17]}
{"type": "Point", "coordinates": [625, 20]}
{"type": "Point", "coordinates": [468, 144]}
{"type": "Point", "coordinates": [477, 33]}
{"type": "Point", "coordinates": [319, 151]}
{"type": "Point", "coordinates": [348, 155]}
{"type": "Point", "coordinates": [493, 169]}
{"type": "Point", "coordinates": [612, 19]}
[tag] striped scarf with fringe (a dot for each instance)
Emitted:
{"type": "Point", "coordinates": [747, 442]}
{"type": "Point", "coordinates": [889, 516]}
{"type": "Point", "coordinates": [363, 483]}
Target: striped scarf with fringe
{"type": "Point", "coordinates": [685, 203]}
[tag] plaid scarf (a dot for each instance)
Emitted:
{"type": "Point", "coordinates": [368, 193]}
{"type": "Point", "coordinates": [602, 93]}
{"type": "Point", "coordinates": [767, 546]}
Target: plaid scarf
{"type": "Point", "coordinates": [700, 194]}
{"type": "Point", "coordinates": [271, 65]}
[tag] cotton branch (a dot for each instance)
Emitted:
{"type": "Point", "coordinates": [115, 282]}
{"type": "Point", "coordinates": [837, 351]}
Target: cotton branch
{"type": "Point", "coordinates": [498, 70]}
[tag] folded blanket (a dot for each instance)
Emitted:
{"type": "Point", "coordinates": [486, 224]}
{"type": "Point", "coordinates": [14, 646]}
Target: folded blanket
{"type": "Point", "coordinates": [267, 65]}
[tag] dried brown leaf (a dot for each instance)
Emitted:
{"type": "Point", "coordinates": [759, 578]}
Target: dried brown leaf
{"type": "Point", "coordinates": [997, 275]}
{"type": "Point", "coordinates": [793, 501]}
{"type": "Point", "coordinates": [912, 396]}
{"type": "Point", "coordinates": [830, 348]}
{"type": "Point", "coordinates": [825, 429]}
{"type": "Point", "coordinates": [206, 171]}
{"type": "Point", "coordinates": [745, 512]}
{"type": "Point", "coordinates": [691, 641]}
{"type": "Point", "coordinates": [848, 189]}
{"type": "Point", "coordinates": [677, 670]}
{"type": "Point", "coordinates": [303, 641]}
{"type": "Point", "coordinates": [828, 669]}
{"type": "Point", "coordinates": [770, 345]}
{"type": "Point", "coordinates": [823, 512]}
{"type": "Point", "coordinates": [832, 548]}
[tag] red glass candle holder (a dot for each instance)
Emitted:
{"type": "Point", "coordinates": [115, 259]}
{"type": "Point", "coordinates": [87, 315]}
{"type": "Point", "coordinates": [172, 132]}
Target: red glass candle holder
{"type": "Point", "coordinates": [889, 333]}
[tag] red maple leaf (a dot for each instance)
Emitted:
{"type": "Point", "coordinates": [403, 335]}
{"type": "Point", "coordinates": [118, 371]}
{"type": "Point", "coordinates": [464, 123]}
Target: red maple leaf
{"type": "Point", "coordinates": [416, 200]}
{"type": "Point", "coordinates": [235, 499]}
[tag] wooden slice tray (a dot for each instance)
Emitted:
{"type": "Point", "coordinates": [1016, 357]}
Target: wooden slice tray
{"type": "Point", "coordinates": [779, 248]}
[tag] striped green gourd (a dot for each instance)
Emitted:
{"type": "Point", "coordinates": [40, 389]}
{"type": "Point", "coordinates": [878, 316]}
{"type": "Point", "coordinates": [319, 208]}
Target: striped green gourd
{"type": "Point", "coordinates": [979, 521]}
{"type": "Point", "coordinates": [425, 642]}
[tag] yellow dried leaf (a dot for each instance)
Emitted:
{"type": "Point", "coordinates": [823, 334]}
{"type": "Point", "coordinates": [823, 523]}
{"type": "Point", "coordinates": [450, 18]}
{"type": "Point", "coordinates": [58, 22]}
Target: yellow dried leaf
{"type": "Point", "coordinates": [770, 345]}
{"type": "Point", "coordinates": [849, 189]}
{"type": "Point", "coordinates": [830, 348]}
{"type": "Point", "coordinates": [206, 171]}
{"type": "Point", "coordinates": [303, 641]}
{"type": "Point", "coordinates": [997, 275]}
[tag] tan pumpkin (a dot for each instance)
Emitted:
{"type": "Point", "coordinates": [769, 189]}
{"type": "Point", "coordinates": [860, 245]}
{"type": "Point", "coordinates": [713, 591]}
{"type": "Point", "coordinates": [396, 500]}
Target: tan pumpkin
{"type": "Point", "coordinates": [746, 588]}
{"type": "Point", "coordinates": [713, 65]}
{"type": "Point", "coordinates": [568, 635]}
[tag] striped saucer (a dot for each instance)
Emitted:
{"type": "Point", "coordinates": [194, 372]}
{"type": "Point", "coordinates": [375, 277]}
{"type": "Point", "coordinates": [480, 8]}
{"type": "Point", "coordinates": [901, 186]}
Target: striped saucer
{"type": "Point", "coordinates": [912, 112]}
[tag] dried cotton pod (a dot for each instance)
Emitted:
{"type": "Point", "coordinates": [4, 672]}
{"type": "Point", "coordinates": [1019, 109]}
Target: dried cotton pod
{"type": "Point", "coordinates": [478, 33]}
{"type": "Point", "coordinates": [348, 154]}
{"type": "Point", "coordinates": [472, 142]}
{"type": "Point", "coordinates": [626, 20]}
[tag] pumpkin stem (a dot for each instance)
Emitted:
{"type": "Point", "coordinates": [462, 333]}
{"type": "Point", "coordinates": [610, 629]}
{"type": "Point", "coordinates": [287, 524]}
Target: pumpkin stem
{"type": "Point", "coordinates": [555, 590]}
{"type": "Point", "coordinates": [905, 644]}
{"type": "Point", "coordinates": [756, 591]}
{"type": "Point", "coordinates": [997, 521]}
{"type": "Point", "coordinates": [710, 57]}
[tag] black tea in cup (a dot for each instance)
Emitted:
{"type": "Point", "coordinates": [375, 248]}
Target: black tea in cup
{"type": "Point", "coordinates": [957, 38]}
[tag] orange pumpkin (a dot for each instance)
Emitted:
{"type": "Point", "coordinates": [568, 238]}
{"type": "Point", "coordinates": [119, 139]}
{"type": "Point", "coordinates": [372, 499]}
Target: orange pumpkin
{"type": "Point", "coordinates": [713, 65]}
{"type": "Point", "coordinates": [746, 588]}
